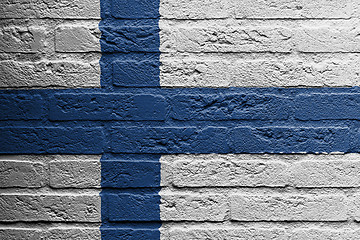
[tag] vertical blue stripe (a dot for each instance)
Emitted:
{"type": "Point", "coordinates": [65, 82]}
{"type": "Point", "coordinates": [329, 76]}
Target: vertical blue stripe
{"type": "Point", "coordinates": [130, 200]}
{"type": "Point", "coordinates": [130, 43]}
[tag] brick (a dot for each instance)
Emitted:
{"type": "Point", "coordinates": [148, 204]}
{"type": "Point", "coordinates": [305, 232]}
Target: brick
{"type": "Point", "coordinates": [234, 140]}
{"type": "Point", "coordinates": [327, 39]}
{"type": "Point", "coordinates": [289, 139]}
{"type": "Point", "coordinates": [21, 107]}
{"type": "Point", "coordinates": [204, 207]}
{"type": "Point", "coordinates": [143, 38]}
{"type": "Point", "coordinates": [14, 233]}
{"type": "Point", "coordinates": [196, 9]}
{"type": "Point", "coordinates": [224, 39]}
{"type": "Point", "coordinates": [130, 233]}
{"type": "Point", "coordinates": [233, 172]}
{"type": "Point", "coordinates": [196, 73]}
{"type": "Point", "coordinates": [221, 39]}
{"type": "Point", "coordinates": [50, 208]}
{"type": "Point", "coordinates": [327, 106]}
{"type": "Point", "coordinates": [83, 233]}
{"type": "Point", "coordinates": [168, 140]}
{"type": "Point", "coordinates": [63, 9]}
{"type": "Point", "coordinates": [22, 39]}
{"type": "Point", "coordinates": [227, 233]}
{"type": "Point", "coordinates": [49, 74]}
{"type": "Point", "coordinates": [130, 174]}
{"type": "Point", "coordinates": [304, 9]}
{"type": "Point", "coordinates": [27, 140]}
{"type": "Point", "coordinates": [136, 73]}
{"type": "Point", "coordinates": [317, 174]}
{"type": "Point", "coordinates": [229, 107]}
{"type": "Point", "coordinates": [121, 107]}
{"type": "Point", "coordinates": [356, 207]}
{"type": "Point", "coordinates": [257, 73]}
{"type": "Point", "coordinates": [75, 174]}
{"type": "Point", "coordinates": [288, 208]}
{"type": "Point", "coordinates": [72, 38]}
{"type": "Point", "coordinates": [22, 174]}
{"type": "Point", "coordinates": [319, 234]}
{"type": "Point", "coordinates": [130, 207]}
{"type": "Point", "coordinates": [135, 9]}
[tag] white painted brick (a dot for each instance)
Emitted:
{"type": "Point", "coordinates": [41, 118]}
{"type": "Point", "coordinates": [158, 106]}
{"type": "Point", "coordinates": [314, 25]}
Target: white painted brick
{"type": "Point", "coordinates": [356, 207]}
{"type": "Point", "coordinates": [22, 39]}
{"type": "Point", "coordinates": [13, 233]}
{"type": "Point", "coordinates": [300, 9]}
{"type": "Point", "coordinates": [80, 233]}
{"type": "Point", "coordinates": [195, 9]}
{"type": "Point", "coordinates": [224, 39]}
{"type": "Point", "coordinates": [226, 234]}
{"type": "Point", "coordinates": [259, 9]}
{"type": "Point", "coordinates": [288, 208]}
{"type": "Point", "coordinates": [328, 39]}
{"type": "Point", "coordinates": [77, 174]}
{"type": "Point", "coordinates": [45, 74]}
{"type": "Point", "coordinates": [70, 9]}
{"type": "Point", "coordinates": [229, 173]}
{"type": "Point", "coordinates": [325, 174]}
{"type": "Point", "coordinates": [73, 38]}
{"type": "Point", "coordinates": [22, 174]}
{"type": "Point", "coordinates": [54, 208]}
{"type": "Point", "coordinates": [258, 73]}
{"type": "Point", "coordinates": [321, 234]}
{"type": "Point", "coordinates": [181, 207]}
{"type": "Point", "coordinates": [195, 73]}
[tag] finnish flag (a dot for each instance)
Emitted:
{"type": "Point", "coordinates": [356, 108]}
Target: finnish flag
{"type": "Point", "coordinates": [179, 119]}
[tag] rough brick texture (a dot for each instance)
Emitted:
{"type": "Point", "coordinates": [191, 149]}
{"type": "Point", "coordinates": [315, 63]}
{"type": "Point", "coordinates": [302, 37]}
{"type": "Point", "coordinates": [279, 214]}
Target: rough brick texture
{"type": "Point", "coordinates": [39, 50]}
{"type": "Point", "coordinates": [260, 43]}
{"type": "Point", "coordinates": [37, 189]}
{"type": "Point", "coordinates": [267, 193]}
{"type": "Point", "coordinates": [245, 170]}
{"type": "Point", "coordinates": [147, 56]}
{"type": "Point", "coordinates": [63, 9]}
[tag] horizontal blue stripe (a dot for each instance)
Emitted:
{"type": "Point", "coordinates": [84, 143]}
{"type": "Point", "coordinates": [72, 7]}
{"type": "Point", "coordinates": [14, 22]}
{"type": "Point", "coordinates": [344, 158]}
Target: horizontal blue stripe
{"type": "Point", "coordinates": [165, 121]}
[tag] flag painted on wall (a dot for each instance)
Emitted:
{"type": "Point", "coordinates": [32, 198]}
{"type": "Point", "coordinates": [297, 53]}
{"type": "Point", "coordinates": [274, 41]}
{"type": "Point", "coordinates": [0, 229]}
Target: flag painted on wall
{"type": "Point", "coordinates": [196, 99]}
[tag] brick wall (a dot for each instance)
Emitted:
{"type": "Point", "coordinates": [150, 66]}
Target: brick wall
{"type": "Point", "coordinates": [44, 44]}
{"type": "Point", "coordinates": [50, 197]}
{"type": "Point", "coordinates": [212, 119]}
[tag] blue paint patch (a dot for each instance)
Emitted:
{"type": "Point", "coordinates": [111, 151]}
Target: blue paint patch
{"type": "Point", "coordinates": [51, 140]}
{"type": "Point", "coordinates": [167, 121]}
{"type": "Point", "coordinates": [230, 107]}
{"type": "Point", "coordinates": [21, 106]}
{"type": "Point", "coordinates": [135, 9]}
{"type": "Point", "coordinates": [130, 171]}
{"type": "Point", "coordinates": [136, 73]}
{"type": "Point", "coordinates": [130, 44]}
{"type": "Point", "coordinates": [107, 106]}
{"type": "Point", "coordinates": [341, 106]}
{"type": "Point", "coordinates": [130, 200]}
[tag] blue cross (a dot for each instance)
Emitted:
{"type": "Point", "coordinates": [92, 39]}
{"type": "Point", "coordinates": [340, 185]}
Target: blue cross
{"type": "Point", "coordinates": [131, 118]}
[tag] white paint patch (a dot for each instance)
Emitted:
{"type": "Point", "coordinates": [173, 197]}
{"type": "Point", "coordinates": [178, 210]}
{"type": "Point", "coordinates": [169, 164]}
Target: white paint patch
{"type": "Point", "coordinates": [56, 47]}
{"type": "Point", "coordinates": [201, 193]}
{"type": "Point", "coordinates": [228, 43]}
{"type": "Point", "coordinates": [41, 188]}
